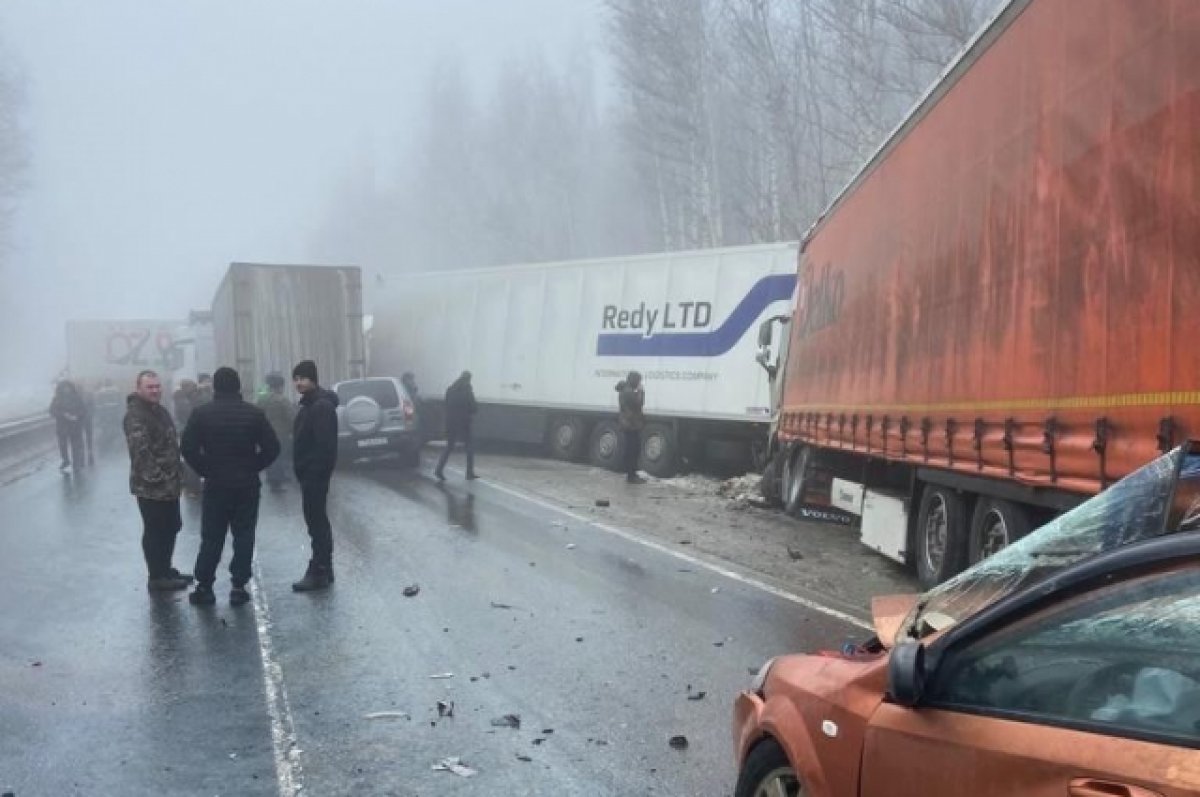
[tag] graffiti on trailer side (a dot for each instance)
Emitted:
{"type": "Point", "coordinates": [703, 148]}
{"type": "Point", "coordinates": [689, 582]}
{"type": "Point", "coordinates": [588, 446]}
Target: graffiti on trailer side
{"type": "Point", "coordinates": [142, 348]}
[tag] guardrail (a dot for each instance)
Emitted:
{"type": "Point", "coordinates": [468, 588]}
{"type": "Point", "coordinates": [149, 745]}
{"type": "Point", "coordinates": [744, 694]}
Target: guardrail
{"type": "Point", "coordinates": [25, 437]}
{"type": "Point", "coordinates": [23, 426]}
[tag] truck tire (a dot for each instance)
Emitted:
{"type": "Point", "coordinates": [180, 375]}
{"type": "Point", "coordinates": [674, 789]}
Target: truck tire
{"type": "Point", "coordinates": [606, 446]}
{"type": "Point", "coordinates": [995, 524]}
{"type": "Point", "coordinates": [568, 438]}
{"type": "Point", "coordinates": [942, 531]}
{"type": "Point", "coordinates": [660, 454]}
{"type": "Point", "coordinates": [796, 465]}
{"type": "Point", "coordinates": [770, 486]}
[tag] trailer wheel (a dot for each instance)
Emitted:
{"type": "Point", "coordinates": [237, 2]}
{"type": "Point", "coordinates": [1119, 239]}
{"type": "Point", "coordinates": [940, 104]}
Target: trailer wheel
{"type": "Point", "coordinates": [660, 454]}
{"type": "Point", "coordinates": [796, 465]}
{"type": "Point", "coordinates": [606, 446]}
{"type": "Point", "coordinates": [568, 438]}
{"type": "Point", "coordinates": [941, 536]}
{"type": "Point", "coordinates": [995, 525]}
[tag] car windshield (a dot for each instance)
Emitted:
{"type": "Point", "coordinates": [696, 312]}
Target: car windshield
{"type": "Point", "coordinates": [1138, 507]}
{"type": "Point", "coordinates": [383, 391]}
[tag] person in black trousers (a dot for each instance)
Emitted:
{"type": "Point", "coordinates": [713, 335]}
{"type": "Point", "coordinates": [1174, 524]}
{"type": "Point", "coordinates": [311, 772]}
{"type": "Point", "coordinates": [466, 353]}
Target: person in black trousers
{"type": "Point", "coordinates": [314, 456]}
{"type": "Point", "coordinates": [460, 408]}
{"type": "Point", "coordinates": [155, 479]}
{"type": "Point", "coordinates": [227, 442]}
{"type": "Point", "coordinates": [632, 420]}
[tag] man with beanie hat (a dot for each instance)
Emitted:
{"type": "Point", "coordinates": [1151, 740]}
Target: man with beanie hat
{"type": "Point", "coordinates": [314, 455]}
{"type": "Point", "coordinates": [227, 442]}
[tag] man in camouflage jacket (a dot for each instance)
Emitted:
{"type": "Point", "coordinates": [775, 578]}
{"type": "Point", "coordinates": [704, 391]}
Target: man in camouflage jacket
{"type": "Point", "coordinates": [155, 479]}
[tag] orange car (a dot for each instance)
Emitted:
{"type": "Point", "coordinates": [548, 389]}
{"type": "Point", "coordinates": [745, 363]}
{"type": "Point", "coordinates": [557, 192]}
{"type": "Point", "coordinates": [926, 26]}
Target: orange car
{"type": "Point", "coordinates": [1067, 664]}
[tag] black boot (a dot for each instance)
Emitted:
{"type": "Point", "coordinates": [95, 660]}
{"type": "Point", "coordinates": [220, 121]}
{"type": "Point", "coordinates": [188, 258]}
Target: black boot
{"type": "Point", "coordinates": [166, 583]}
{"type": "Point", "coordinates": [239, 595]}
{"type": "Point", "coordinates": [316, 578]}
{"type": "Point", "coordinates": [187, 578]}
{"type": "Point", "coordinates": [202, 595]}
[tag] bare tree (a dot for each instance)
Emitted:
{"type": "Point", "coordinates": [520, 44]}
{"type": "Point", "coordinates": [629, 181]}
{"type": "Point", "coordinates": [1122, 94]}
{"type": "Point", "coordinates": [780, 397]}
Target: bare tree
{"type": "Point", "coordinates": [14, 165]}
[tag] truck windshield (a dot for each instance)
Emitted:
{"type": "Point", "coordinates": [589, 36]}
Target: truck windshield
{"type": "Point", "coordinates": [1135, 508]}
{"type": "Point", "coordinates": [383, 391]}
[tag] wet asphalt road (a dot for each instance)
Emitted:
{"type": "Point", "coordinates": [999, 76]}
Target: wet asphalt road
{"type": "Point", "coordinates": [106, 690]}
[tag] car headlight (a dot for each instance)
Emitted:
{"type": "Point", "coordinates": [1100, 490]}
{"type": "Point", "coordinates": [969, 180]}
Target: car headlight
{"type": "Point", "coordinates": [760, 680]}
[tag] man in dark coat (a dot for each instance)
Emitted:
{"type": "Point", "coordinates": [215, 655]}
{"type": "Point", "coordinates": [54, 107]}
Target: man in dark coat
{"type": "Point", "coordinates": [227, 442]}
{"type": "Point", "coordinates": [460, 409]}
{"type": "Point", "coordinates": [314, 456]}
{"type": "Point", "coordinates": [632, 420]}
{"type": "Point", "coordinates": [156, 478]}
{"type": "Point", "coordinates": [68, 410]}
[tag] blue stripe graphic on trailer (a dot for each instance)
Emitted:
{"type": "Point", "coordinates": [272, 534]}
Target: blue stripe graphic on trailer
{"type": "Point", "coordinates": [775, 288]}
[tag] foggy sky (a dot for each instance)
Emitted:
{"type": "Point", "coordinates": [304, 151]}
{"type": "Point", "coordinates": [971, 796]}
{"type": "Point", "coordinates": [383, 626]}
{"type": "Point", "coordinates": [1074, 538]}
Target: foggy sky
{"type": "Point", "coordinates": [170, 137]}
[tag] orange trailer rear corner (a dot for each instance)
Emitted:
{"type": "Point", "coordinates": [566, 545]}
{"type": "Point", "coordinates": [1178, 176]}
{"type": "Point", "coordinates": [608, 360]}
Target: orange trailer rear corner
{"type": "Point", "coordinates": [997, 316]}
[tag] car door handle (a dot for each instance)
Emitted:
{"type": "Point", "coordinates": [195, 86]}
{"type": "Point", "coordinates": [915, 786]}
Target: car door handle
{"type": "Point", "coordinates": [1090, 787]}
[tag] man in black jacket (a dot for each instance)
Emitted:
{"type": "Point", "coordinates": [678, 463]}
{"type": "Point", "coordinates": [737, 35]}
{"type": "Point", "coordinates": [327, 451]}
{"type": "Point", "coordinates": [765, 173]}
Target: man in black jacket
{"type": "Point", "coordinates": [314, 453]}
{"type": "Point", "coordinates": [460, 409]}
{"type": "Point", "coordinates": [227, 442]}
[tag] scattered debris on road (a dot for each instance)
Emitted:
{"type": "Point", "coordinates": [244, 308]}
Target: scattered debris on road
{"type": "Point", "coordinates": [695, 695]}
{"type": "Point", "coordinates": [496, 605]}
{"type": "Point", "coordinates": [524, 758]}
{"type": "Point", "coordinates": [678, 742]}
{"type": "Point", "coordinates": [795, 554]}
{"type": "Point", "coordinates": [603, 502]}
{"type": "Point", "coordinates": [570, 546]}
{"type": "Point", "coordinates": [547, 731]}
{"type": "Point", "coordinates": [412, 590]}
{"type": "Point", "coordinates": [578, 639]}
{"type": "Point", "coordinates": [454, 764]}
{"type": "Point", "coordinates": [441, 676]}
{"type": "Point", "coordinates": [538, 741]}
{"type": "Point", "coordinates": [387, 715]}
{"type": "Point", "coordinates": [508, 721]}
{"type": "Point", "coordinates": [445, 708]}
{"type": "Point", "coordinates": [36, 664]}
{"type": "Point", "coordinates": [715, 590]}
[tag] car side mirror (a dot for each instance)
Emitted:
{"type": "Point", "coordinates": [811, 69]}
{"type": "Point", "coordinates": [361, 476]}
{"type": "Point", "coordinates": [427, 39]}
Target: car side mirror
{"type": "Point", "coordinates": [906, 674]}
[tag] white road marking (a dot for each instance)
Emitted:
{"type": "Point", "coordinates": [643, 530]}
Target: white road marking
{"type": "Point", "coordinates": [733, 575]}
{"type": "Point", "coordinates": [288, 771]}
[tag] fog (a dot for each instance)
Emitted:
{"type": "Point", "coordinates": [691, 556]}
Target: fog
{"type": "Point", "coordinates": [163, 140]}
{"type": "Point", "coordinates": [167, 139]}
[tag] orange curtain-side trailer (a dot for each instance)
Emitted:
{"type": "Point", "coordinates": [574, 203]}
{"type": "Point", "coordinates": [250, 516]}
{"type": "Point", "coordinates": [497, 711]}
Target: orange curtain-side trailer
{"type": "Point", "coordinates": [1009, 290]}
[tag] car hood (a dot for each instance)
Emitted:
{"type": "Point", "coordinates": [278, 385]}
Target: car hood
{"type": "Point", "coordinates": [1158, 499]}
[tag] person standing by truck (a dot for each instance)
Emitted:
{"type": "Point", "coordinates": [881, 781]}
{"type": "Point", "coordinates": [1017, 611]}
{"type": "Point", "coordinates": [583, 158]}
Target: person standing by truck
{"type": "Point", "coordinates": [460, 409]}
{"type": "Point", "coordinates": [156, 479]}
{"type": "Point", "coordinates": [280, 413]}
{"type": "Point", "coordinates": [68, 411]}
{"type": "Point", "coordinates": [228, 442]}
{"type": "Point", "coordinates": [632, 419]}
{"type": "Point", "coordinates": [314, 456]}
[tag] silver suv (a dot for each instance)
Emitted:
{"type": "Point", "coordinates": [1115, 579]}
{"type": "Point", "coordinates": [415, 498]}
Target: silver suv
{"type": "Point", "coordinates": [377, 418]}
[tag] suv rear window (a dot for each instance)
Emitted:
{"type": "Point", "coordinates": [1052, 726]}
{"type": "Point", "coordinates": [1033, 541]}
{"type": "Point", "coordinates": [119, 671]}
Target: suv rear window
{"type": "Point", "coordinates": [382, 390]}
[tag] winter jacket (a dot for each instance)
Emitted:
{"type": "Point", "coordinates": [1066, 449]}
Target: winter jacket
{"type": "Point", "coordinates": [632, 400]}
{"type": "Point", "coordinates": [281, 414]}
{"type": "Point", "coordinates": [460, 407]}
{"type": "Point", "coordinates": [228, 441]}
{"type": "Point", "coordinates": [183, 406]}
{"type": "Point", "coordinates": [315, 437]}
{"type": "Point", "coordinates": [68, 407]}
{"type": "Point", "coordinates": [154, 469]}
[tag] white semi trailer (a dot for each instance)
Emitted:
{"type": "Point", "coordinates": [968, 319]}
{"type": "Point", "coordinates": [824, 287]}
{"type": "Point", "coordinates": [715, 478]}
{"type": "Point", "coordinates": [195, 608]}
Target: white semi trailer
{"type": "Point", "coordinates": [547, 343]}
